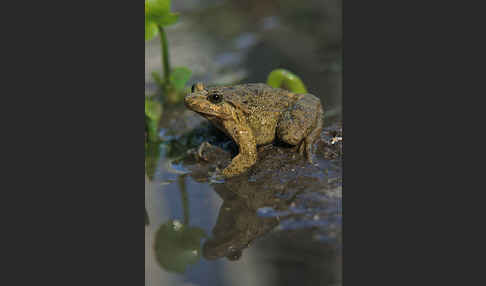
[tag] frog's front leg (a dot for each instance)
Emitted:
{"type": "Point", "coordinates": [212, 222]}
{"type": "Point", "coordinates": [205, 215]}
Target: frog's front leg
{"type": "Point", "coordinates": [247, 156]}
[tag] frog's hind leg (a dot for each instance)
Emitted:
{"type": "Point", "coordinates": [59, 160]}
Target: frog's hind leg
{"type": "Point", "coordinates": [302, 124]}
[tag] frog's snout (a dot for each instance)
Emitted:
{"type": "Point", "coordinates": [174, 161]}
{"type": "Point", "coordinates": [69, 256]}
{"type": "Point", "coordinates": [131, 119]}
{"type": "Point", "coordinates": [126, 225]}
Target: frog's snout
{"type": "Point", "coordinates": [187, 100]}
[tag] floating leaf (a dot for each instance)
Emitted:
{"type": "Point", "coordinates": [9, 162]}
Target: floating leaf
{"type": "Point", "coordinates": [177, 246]}
{"type": "Point", "coordinates": [285, 79]}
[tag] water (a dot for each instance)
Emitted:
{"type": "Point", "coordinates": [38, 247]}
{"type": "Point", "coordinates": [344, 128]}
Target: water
{"type": "Point", "coordinates": [278, 224]}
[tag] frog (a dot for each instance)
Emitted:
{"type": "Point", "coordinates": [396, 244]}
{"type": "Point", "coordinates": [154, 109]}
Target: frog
{"type": "Point", "coordinates": [255, 115]}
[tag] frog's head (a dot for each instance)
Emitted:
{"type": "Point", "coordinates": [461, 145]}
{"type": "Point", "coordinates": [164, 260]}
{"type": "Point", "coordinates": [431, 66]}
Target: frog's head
{"type": "Point", "coordinates": [211, 103]}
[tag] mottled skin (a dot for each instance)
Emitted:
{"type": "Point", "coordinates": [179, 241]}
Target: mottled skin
{"type": "Point", "coordinates": [255, 114]}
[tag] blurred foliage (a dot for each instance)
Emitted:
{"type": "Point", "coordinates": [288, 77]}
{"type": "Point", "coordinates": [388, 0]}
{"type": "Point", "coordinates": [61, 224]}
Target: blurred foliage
{"type": "Point", "coordinates": [287, 80]}
{"type": "Point", "coordinates": [172, 82]}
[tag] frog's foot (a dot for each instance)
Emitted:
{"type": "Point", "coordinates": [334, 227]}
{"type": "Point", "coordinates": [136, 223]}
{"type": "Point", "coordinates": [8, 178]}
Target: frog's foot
{"type": "Point", "coordinates": [238, 165]}
{"type": "Point", "coordinates": [204, 146]}
{"type": "Point", "coordinates": [211, 154]}
{"type": "Point", "coordinates": [307, 145]}
{"type": "Point", "coordinates": [306, 149]}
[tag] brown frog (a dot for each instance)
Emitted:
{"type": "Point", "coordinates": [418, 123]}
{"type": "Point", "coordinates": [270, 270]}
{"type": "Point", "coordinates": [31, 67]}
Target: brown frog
{"type": "Point", "coordinates": [256, 114]}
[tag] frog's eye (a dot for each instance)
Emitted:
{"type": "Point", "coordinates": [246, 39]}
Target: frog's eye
{"type": "Point", "coordinates": [215, 97]}
{"type": "Point", "coordinates": [234, 255]}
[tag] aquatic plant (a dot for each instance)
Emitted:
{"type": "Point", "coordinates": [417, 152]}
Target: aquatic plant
{"type": "Point", "coordinates": [177, 246]}
{"type": "Point", "coordinates": [173, 80]}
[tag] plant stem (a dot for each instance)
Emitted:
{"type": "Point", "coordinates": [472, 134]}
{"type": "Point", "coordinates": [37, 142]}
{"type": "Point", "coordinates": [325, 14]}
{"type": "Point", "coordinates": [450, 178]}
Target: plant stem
{"type": "Point", "coordinates": [165, 54]}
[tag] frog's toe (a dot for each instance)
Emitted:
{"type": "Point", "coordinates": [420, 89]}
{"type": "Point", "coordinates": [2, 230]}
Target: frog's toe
{"type": "Point", "coordinates": [302, 147]}
{"type": "Point", "coordinates": [228, 172]}
{"type": "Point", "coordinates": [238, 165]}
{"type": "Point", "coordinates": [309, 152]}
{"type": "Point", "coordinates": [309, 157]}
{"type": "Point", "coordinates": [216, 176]}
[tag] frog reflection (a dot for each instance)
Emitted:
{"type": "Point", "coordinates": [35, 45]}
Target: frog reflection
{"type": "Point", "coordinates": [238, 224]}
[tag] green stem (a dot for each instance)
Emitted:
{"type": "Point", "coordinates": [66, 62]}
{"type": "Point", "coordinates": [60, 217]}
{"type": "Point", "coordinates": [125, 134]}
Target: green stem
{"type": "Point", "coordinates": [165, 54]}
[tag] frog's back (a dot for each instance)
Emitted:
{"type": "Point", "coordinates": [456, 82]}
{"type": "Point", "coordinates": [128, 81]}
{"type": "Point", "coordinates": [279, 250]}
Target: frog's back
{"type": "Point", "coordinates": [260, 97]}
{"type": "Point", "coordinates": [264, 105]}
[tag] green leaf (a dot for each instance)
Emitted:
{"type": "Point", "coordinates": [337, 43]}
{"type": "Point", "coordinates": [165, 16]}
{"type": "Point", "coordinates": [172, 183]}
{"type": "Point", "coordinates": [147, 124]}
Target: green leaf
{"type": "Point", "coordinates": [158, 12]}
{"type": "Point", "coordinates": [179, 77]}
{"type": "Point", "coordinates": [157, 7]}
{"type": "Point", "coordinates": [150, 30]}
{"type": "Point", "coordinates": [164, 20]}
{"type": "Point", "coordinates": [285, 79]}
{"type": "Point", "coordinates": [168, 19]}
